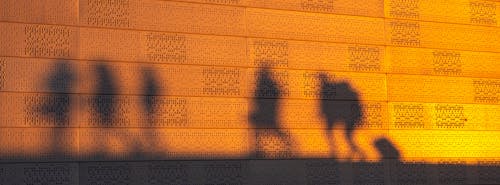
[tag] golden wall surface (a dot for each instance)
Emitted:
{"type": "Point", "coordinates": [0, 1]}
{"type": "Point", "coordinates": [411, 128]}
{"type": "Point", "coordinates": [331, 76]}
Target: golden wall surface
{"type": "Point", "coordinates": [199, 90]}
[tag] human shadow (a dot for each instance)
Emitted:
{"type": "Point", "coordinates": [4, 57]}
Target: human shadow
{"type": "Point", "coordinates": [150, 94]}
{"type": "Point", "coordinates": [56, 107]}
{"type": "Point", "coordinates": [105, 100]}
{"type": "Point", "coordinates": [264, 118]}
{"type": "Point", "coordinates": [151, 104]}
{"type": "Point", "coordinates": [348, 114]}
{"type": "Point", "coordinates": [108, 109]}
{"type": "Point", "coordinates": [103, 103]}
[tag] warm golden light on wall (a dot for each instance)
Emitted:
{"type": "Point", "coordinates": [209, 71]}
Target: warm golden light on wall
{"type": "Point", "coordinates": [358, 82]}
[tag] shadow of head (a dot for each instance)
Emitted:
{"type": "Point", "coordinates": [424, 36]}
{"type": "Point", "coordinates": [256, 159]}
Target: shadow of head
{"type": "Point", "coordinates": [62, 79]}
{"type": "Point", "coordinates": [266, 86]}
{"type": "Point", "coordinates": [105, 80]}
{"type": "Point", "coordinates": [386, 149]}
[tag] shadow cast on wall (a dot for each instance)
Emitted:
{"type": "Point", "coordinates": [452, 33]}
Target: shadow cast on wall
{"type": "Point", "coordinates": [264, 121]}
{"type": "Point", "coordinates": [335, 113]}
{"type": "Point", "coordinates": [105, 107]}
{"type": "Point", "coordinates": [56, 109]}
{"type": "Point", "coordinates": [264, 118]}
{"type": "Point", "coordinates": [105, 100]}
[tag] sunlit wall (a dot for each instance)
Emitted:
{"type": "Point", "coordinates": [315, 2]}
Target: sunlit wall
{"type": "Point", "coordinates": [132, 80]}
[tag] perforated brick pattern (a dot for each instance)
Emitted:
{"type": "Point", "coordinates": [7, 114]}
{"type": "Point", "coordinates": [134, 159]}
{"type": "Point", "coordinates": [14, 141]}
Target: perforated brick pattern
{"type": "Point", "coordinates": [249, 92]}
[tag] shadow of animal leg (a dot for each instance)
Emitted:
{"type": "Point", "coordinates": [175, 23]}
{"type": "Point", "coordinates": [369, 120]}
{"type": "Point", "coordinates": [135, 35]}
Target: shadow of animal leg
{"type": "Point", "coordinates": [331, 143]}
{"type": "Point", "coordinates": [355, 150]}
